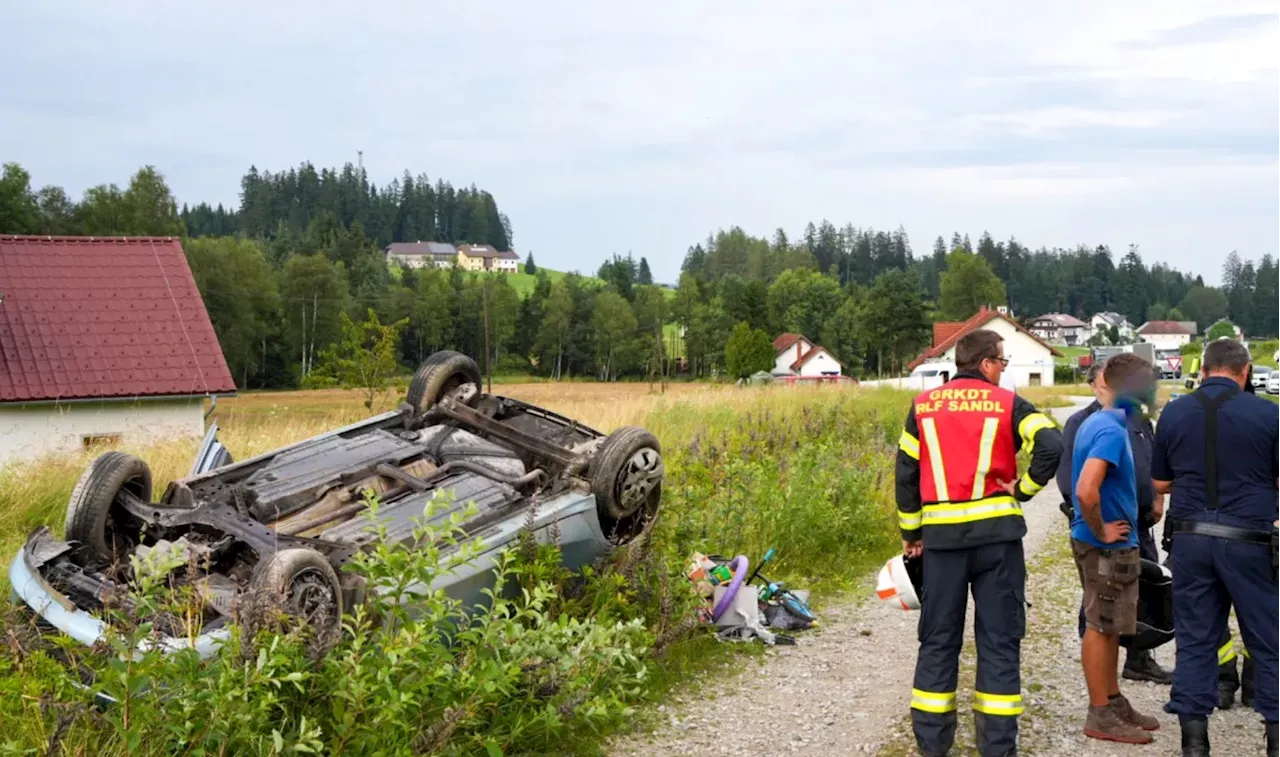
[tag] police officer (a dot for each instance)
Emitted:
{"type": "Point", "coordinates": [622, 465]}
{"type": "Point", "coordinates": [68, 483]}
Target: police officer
{"type": "Point", "coordinates": [1216, 452]}
{"type": "Point", "coordinates": [960, 510]}
{"type": "Point", "coordinates": [1230, 676]}
{"type": "Point", "coordinates": [1140, 665]}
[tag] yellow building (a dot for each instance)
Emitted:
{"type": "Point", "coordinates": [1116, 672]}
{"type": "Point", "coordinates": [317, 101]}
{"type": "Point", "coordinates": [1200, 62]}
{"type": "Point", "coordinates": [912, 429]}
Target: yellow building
{"type": "Point", "coordinates": [483, 257]}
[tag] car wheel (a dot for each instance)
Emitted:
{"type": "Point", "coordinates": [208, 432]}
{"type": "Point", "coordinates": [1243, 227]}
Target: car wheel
{"type": "Point", "coordinates": [440, 374]}
{"type": "Point", "coordinates": [626, 474]}
{"type": "Point", "coordinates": [101, 528]}
{"type": "Point", "coordinates": [299, 586]}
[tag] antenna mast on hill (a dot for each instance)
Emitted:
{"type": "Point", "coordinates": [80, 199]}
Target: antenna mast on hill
{"type": "Point", "coordinates": [360, 161]}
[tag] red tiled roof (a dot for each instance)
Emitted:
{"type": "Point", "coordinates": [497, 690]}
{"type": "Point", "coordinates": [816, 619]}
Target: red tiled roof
{"type": "Point", "coordinates": [103, 317]}
{"type": "Point", "coordinates": [943, 330]}
{"type": "Point", "coordinates": [1163, 327]}
{"type": "Point", "coordinates": [812, 353]}
{"type": "Point", "coordinates": [979, 319]}
{"type": "Point", "coordinates": [785, 341]}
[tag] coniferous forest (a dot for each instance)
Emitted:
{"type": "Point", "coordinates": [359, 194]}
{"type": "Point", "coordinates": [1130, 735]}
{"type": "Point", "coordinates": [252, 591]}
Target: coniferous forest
{"type": "Point", "coordinates": [304, 248]}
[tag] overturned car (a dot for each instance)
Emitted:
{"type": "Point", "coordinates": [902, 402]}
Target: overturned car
{"type": "Point", "coordinates": [284, 523]}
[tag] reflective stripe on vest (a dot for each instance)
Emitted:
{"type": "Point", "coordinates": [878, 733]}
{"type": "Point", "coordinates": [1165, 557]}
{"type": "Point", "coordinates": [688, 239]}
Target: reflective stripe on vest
{"type": "Point", "coordinates": [944, 513]}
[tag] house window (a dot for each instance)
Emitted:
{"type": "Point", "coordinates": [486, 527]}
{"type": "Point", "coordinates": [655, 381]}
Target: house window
{"type": "Point", "coordinates": [94, 441]}
{"type": "Point", "coordinates": [1034, 379]}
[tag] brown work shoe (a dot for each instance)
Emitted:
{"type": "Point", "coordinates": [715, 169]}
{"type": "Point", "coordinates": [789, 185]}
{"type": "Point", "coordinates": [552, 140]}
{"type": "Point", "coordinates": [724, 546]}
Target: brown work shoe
{"type": "Point", "coordinates": [1121, 705]}
{"type": "Point", "coordinates": [1106, 724]}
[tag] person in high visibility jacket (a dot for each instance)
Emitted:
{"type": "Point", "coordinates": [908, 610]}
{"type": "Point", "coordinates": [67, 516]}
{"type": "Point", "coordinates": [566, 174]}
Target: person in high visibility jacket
{"type": "Point", "coordinates": [959, 500]}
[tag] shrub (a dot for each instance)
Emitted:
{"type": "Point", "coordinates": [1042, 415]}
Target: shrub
{"type": "Point", "coordinates": [438, 681]}
{"type": "Point", "coordinates": [1065, 374]}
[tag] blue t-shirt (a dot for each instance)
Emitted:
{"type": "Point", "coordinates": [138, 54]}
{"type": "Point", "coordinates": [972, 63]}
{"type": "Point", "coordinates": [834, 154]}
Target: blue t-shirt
{"type": "Point", "coordinates": [1105, 436]}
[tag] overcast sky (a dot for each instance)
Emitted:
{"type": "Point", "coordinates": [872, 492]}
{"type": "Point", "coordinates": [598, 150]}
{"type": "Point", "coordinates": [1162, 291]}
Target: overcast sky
{"type": "Point", "coordinates": [601, 128]}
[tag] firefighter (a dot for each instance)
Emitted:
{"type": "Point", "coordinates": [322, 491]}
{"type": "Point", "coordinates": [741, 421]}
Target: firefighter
{"type": "Point", "coordinates": [959, 502]}
{"type": "Point", "coordinates": [1216, 452]}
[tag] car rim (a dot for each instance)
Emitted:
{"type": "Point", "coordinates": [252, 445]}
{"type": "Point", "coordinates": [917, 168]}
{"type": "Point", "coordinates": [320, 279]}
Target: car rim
{"type": "Point", "coordinates": [641, 477]}
{"type": "Point", "coordinates": [310, 595]}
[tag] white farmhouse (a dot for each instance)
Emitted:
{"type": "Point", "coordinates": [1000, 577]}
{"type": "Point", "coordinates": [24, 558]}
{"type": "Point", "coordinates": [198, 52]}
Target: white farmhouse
{"type": "Point", "coordinates": [1030, 358]}
{"type": "Point", "coordinates": [103, 340]}
{"type": "Point", "coordinates": [797, 356]}
{"type": "Point", "coordinates": [1102, 322]}
{"type": "Point", "coordinates": [1165, 335]}
{"type": "Point", "coordinates": [1060, 328]}
{"type": "Point", "coordinates": [422, 254]}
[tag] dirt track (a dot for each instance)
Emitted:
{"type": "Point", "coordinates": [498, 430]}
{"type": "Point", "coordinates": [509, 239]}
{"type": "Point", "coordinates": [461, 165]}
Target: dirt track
{"type": "Point", "coordinates": [845, 690]}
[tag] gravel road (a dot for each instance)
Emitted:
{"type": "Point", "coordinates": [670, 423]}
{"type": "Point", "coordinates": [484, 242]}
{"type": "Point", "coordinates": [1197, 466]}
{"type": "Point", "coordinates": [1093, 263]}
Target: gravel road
{"type": "Point", "coordinates": [845, 689]}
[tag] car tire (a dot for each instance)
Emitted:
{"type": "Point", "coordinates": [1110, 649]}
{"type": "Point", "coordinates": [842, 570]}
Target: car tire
{"type": "Point", "coordinates": [99, 527]}
{"type": "Point", "coordinates": [626, 475]}
{"type": "Point", "coordinates": [439, 374]}
{"type": "Point", "coordinates": [300, 586]}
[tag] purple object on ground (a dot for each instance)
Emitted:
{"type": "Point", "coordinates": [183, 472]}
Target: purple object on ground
{"type": "Point", "coordinates": [739, 567]}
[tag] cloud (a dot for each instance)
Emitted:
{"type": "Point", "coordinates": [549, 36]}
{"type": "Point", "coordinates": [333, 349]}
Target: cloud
{"type": "Point", "coordinates": [1213, 29]}
{"type": "Point", "coordinates": [606, 127]}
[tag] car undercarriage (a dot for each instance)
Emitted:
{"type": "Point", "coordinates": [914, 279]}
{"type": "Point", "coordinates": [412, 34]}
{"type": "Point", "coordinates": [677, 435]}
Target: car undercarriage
{"type": "Point", "coordinates": [283, 524]}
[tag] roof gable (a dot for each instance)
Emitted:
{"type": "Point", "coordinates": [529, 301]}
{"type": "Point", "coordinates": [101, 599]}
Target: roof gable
{"type": "Point", "coordinates": [787, 341]}
{"type": "Point", "coordinates": [979, 319]}
{"type": "Point", "coordinates": [103, 317]}
{"type": "Point", "coordinates": [811, 354]}
{"type": "Point", "coordinates": [1163, 327]}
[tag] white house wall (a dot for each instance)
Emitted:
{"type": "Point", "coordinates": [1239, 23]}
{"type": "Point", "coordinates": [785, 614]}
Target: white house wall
{"type": "Point", "coordinates": [819, 365]}
{"type": "Point", "coordinates": [1027, 357]}
{"type": "Point", "coordinates": [31, 431]}
{"type": "Point", "coordinates": [782, 362]}
{"type": "Point", "coordinates": [1166, 341]}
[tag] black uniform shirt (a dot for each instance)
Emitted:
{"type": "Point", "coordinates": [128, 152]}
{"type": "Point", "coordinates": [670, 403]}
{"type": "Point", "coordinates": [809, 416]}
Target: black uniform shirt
{"type": "Point", "coordinates": [1248, 463]}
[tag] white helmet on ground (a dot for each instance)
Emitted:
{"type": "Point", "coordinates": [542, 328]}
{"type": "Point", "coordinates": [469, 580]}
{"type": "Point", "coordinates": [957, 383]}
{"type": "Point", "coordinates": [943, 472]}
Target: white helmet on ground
{"type": "Point", "coordinates": [898, 584]}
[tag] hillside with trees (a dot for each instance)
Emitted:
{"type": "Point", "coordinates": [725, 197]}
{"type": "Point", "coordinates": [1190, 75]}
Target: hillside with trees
{"type": "Point", "coordinates": [299, 264]}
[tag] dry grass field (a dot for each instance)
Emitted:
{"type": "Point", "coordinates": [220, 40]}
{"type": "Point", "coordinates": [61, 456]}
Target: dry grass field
{"type": "Point", "coordinates": [32, 494]}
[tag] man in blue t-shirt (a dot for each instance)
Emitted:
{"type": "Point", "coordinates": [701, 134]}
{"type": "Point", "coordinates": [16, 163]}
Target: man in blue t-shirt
{"type": "Point", "coordinates": [1104, 540]}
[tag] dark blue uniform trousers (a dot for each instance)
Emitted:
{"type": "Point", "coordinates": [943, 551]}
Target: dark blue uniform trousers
{"type": "Point", "coordinates": [1209, 576]}
{"type": "Point", "coordinates": [997, 575]}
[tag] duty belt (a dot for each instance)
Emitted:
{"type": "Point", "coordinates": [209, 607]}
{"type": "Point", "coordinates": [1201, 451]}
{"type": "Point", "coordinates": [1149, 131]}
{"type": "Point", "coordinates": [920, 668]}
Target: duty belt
{"type": "Point", "coordinates": [1222, 531]}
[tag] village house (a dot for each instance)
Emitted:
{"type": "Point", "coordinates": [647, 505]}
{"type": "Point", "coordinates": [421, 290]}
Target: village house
{"type": "Point", "coordinates": [1060, 328]}
{"type": "Point", "coordinates": [483, 257]}
{"type": "Point", "coordinates": [1165, 335]}
{"type": "Point", "coordinates": [1031, 359]}
{"type": "Point", "coordinates": [1102, 323]}
{"type": "Point", "coordinates": [421, 254]}
{"type": "Point", "coordinates": [103, 340]}
{"type": "Point", "coordinates": [1239, 334]}
{"type": "Point", "coordinates": [797, 356]}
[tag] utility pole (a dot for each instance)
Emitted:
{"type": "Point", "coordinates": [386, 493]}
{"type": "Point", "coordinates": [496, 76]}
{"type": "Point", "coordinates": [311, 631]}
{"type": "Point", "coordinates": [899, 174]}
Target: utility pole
{"type": "Point", "coordinates": [487, 373]}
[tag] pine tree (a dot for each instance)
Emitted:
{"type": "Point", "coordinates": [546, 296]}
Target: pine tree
{"type": "Point", "coordinates": [530, 267]}
{"type": "Point", "coordinates": [645, 276]}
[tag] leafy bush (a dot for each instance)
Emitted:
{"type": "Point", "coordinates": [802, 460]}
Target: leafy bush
{"type": "Point", "coordinates": [1065, 374]}
{"type": "Point", "coordinates": [437, 680]}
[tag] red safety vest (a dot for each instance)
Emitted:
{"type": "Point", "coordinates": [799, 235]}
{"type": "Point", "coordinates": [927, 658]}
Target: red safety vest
{"type": "Point", "coordinates": [966, 449]}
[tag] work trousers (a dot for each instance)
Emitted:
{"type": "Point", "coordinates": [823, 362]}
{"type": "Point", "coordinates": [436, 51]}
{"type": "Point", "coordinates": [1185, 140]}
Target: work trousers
{"type": "Point", "coordinates": [1147, 551]}
{"type": "Point", "coordinates": [997, 575]}
{"type": "Point", "coordinates": [1210, 575]}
